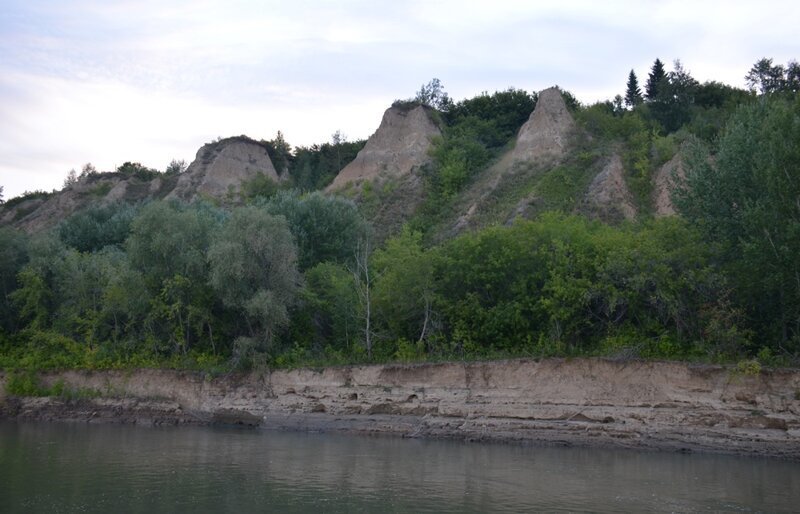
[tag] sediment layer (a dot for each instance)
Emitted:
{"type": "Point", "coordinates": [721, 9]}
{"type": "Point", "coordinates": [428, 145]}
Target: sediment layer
{"type": "Point", "coordinates": [589, 402]}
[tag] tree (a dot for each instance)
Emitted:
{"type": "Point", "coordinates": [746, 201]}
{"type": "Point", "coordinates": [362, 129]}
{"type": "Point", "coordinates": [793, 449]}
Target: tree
{"type": "Point", "coordinates": [280, 152]}
{"type": "Point", "coordinates": [404, 287]}
{"type": "Point", "coordinates": [793, 76]}
{"type": "Point", "coordinates": [175, 167]}
{"type": "Point", "coordinates": [671, 106]}
{"type": "Point", "coordinates": [135, 169]}
{"type": "Point", "coordinates": [746, 199]}
{"type": "Point", "coordinates": [2, 201]}
{"type": "Point", "coordinates": [87, 170]}
{"type": "Point", "coordinates": [633, 95]}
{"type": "Point", "coordinates": [617, 105]}
{"type": "Point", "coordinates": [326, 228]}
{"type": "Point", "coordinates": [362, 278]}
{"type": "Point", "coordinates": [336, 140]}
{"type": "Point", "coordinates": [655, 80]}
{"type": "Point", "coordinates": [97, 226]}
{"type": "Point", "coordinates": [168, 247]}
{"type": "Point", "coordinates": [433, 95]}
{"type": "Point", "coordinates": [765, 77]}
{"type": "Point", "coordinates": [253, 263]}
{"type": "Point", "coordinates": [13, 256]}
{"type": "Point", "coordinates": [72, 178]}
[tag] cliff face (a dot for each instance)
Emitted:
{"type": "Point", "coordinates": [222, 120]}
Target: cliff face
{"type": "Point", "coordinates": [217, 172]}
{"type": "Point", "coordinates": [658, 405]}
{"type": "Point", "coordinates": [39, 214]}
{"type": "Point", "coordinates": [608, 197]}
{"type": "Point", "coordinates": [399, 145]}
{"type": "Point", "coordinates": [665, 179]}
{"type": "Point", "coordinates": [545, 133]}
{"type": "Point", "coordinates": [540, 144]}
{"type": "Point", "coordinates": [220, 168]}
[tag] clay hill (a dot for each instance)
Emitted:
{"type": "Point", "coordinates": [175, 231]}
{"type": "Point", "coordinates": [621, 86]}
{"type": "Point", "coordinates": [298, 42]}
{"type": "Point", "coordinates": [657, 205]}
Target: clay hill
{"type": "Point", "coordinates": [399, 146]}
{"type": "Point", "coordinates": [539, 170]}
{"type": "Point", "coordinates": [220, 168]}
{"type": "Point", "coordinates": [507, 188]}
{"type": "Point", "coordinates": [216, 173]}
{"type": "Point", "coordinates": [546, 133]}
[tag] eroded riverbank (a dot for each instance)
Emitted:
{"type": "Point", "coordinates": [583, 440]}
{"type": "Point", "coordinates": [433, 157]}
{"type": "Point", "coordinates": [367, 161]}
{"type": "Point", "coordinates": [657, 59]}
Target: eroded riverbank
{"type": "Point", "coordinates": [586, 402]}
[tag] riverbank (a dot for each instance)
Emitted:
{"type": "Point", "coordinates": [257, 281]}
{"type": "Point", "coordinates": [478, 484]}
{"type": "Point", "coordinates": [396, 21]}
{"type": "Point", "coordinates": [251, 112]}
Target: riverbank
{"type": "Point", "coordinates": [586, 402]}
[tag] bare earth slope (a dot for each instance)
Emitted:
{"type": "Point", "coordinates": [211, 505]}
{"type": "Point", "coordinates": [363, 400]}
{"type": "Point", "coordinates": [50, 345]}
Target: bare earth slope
{"type": "Point", "coordinates": [665, 184]}
{"type": "Point", "coordinates": [39, 214]}
{"type": "Point", "coordinates": [540, 144]}
{"type": "Point", "coordinates": [608, 197]}
{"type": "Point", "coordinates": [399, 145]}
{"type": "Point", "coordinates": [590, 402]}
{"type": "Point", "coordinates": [217, 172]}
{"type": "Point", "coordinates": [220, 168]}
{"type": "Point", "coordinates": [546, 132]}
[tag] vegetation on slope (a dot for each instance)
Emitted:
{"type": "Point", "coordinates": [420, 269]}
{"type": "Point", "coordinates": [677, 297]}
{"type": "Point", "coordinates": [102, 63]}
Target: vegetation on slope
{"type": "Point", "coordinates": [294, 278]}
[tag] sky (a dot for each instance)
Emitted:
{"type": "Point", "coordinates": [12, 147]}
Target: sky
{"type": "Point", "coordinates": [107, 82]}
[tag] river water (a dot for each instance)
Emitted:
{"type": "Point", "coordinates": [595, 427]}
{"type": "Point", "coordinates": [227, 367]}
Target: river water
{"type": "Point", "coordinates": [62, 467]}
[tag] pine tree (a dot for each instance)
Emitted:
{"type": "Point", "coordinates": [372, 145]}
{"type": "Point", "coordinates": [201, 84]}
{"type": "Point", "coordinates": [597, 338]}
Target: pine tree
{"type": "Point", "coordinates": [654, 80]}
{"type": "Point", "coordinates": [633, 95]}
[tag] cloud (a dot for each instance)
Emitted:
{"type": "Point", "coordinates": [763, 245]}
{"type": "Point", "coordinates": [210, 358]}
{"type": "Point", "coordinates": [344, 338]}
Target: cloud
{"type": "Point", "coordinates": [105, 82]}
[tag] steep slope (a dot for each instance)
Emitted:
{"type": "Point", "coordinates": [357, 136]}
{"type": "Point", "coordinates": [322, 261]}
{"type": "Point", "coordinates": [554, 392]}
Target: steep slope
{"type": "Point", "coordinates": [217, 172]}
{"type": "Point", "coordinates": [220, 168]}
{"type": "Point", "coordinates": [664, 184]}
{"type": "Point", "coordinates": [608, 197]}
{"type": "Point", "coordinates": [546, 132]}
{"type": "Point", "coordinates": [399, 146]}
{"type": "Point", "coordinates": [39, 214]}
{"type": "Point", "coordinates": [501, 192]}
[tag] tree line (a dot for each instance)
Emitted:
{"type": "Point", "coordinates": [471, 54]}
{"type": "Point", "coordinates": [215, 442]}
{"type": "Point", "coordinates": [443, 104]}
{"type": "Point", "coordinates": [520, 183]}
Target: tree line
{"type": "Point", "coordinates": [295, 278]}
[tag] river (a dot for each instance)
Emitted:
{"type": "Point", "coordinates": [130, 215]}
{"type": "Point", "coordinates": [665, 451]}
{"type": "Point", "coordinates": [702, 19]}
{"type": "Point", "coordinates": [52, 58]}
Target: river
{"type": "Point", "coordinates": [63, 467]}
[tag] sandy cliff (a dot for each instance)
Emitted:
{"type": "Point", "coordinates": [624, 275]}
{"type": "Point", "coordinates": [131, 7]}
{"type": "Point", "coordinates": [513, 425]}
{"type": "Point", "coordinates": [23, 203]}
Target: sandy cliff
{"type": "Point", "coordinates": [651, 405]}
{"type": "Point", "coordinates": [545, 134]}
{"type": "Point", "coordinates": [220, 168]}
{"type": "Point", "coordinates": [399, 145]}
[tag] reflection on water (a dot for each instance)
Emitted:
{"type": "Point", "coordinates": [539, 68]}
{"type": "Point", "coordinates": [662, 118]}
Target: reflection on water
{"type": "Point", "coordinates": [85, 468]}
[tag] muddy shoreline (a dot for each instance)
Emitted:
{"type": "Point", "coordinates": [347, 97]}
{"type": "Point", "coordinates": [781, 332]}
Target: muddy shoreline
{"type": "Point", "coordinates": [659, 406]}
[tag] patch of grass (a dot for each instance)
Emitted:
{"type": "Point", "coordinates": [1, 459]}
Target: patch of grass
{"type": "Point", "coordinates": [26, 383]}
{"type": "Point", "coordinates": [750, 367]}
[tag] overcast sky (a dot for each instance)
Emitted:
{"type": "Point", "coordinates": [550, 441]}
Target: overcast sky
{"type": "Point", "coordinates": [108, 82]}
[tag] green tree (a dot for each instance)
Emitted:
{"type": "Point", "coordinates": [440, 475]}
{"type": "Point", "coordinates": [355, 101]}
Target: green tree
{"type": "Point", "coordinates": [97, 226]}
{"type": "Point", "coordinates": [404, 288]}
{"type": "Point", "coordinates": [253, 262]}
{"type": "Point", "coordinates": [328, 318]}
{"type": "Point", "coordinates": [13, 256]}
{"type": "Point", "coordinates": [673, 103]}
{"type": "Point", "coordinates": [168, 247]}
{"type": "Point", "coordinates": [175, 167]}
{"type": "Point", "coordinates": [326, 228]}
{"type": "Point", "coordinates": [280, 153]}
{"type": "Point", "coordinates": [633, 95]}
{"type": "Point", "coordinates": [766, 77]}
{"type": "Point", "coordinates": [655, 79]}
{"type": "Point", "coordinates": [746, 198]}
{"type": "Point", "coordinates": [433, 95]}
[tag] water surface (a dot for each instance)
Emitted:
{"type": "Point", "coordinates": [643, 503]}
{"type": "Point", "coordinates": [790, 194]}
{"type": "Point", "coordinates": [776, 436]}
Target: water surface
{"type": "Point", "coordinates": [62, 467]}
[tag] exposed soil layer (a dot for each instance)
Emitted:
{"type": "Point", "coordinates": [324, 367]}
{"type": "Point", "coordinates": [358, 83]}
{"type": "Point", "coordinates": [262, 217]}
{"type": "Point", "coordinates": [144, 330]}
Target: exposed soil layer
{"type": "Point", "coordinates": [585, 402]}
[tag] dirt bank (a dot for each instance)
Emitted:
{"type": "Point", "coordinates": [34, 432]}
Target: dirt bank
{"type": "Point", "coordinates": [592, 402]}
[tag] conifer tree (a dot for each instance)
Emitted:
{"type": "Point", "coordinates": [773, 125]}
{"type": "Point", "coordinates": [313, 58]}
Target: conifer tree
{"type": "Point", "coordinates": [654, 80]}
{"type": "Point", "coordinates": [633, 95]}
